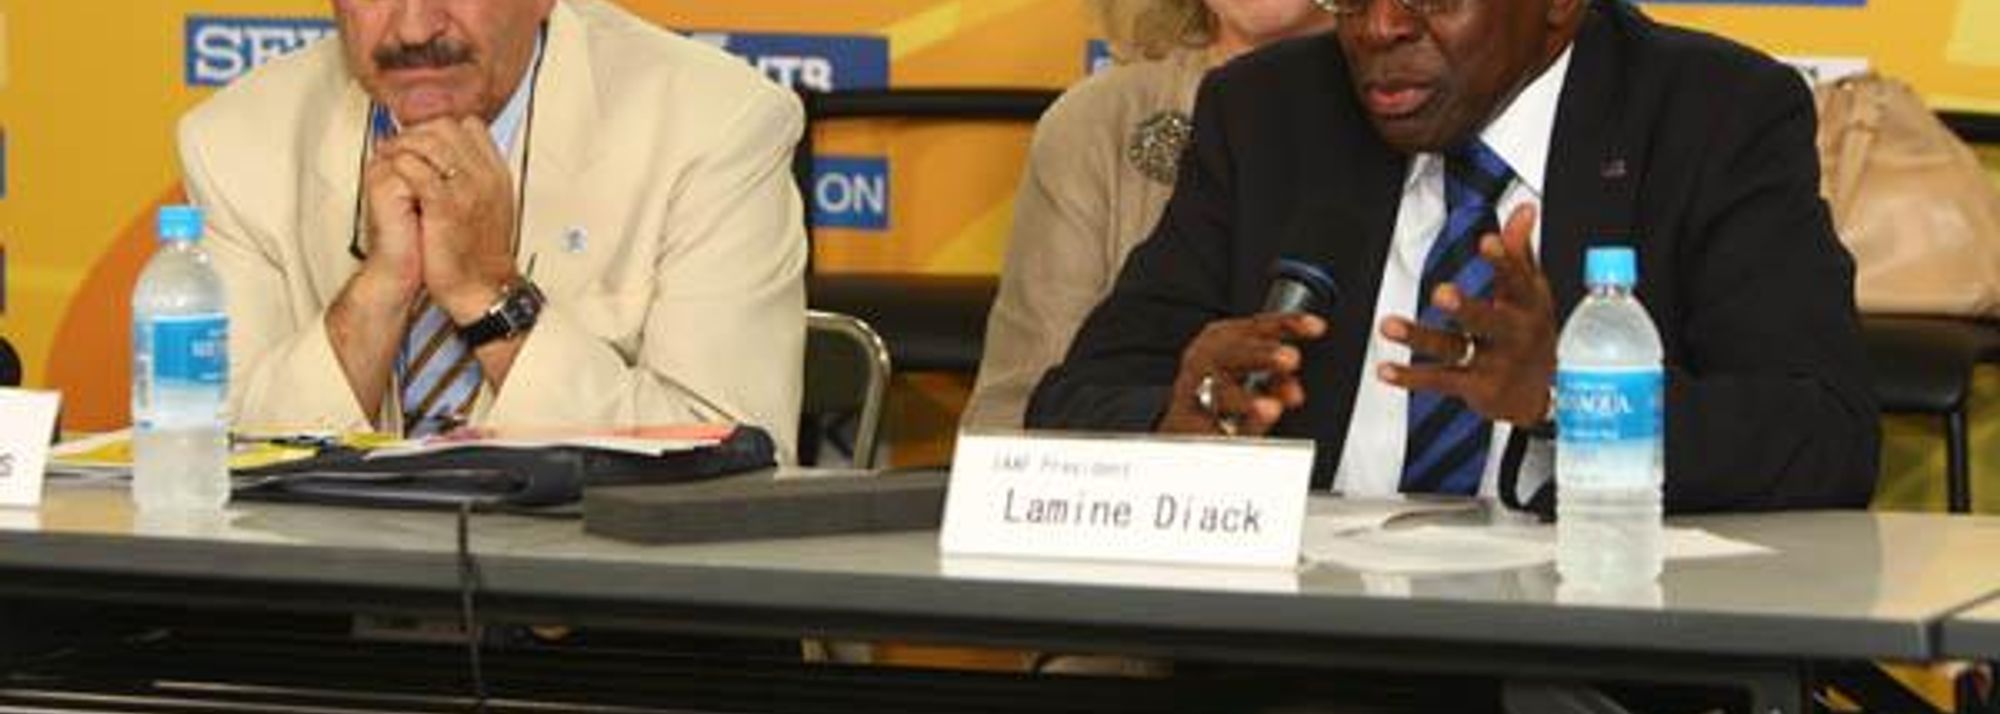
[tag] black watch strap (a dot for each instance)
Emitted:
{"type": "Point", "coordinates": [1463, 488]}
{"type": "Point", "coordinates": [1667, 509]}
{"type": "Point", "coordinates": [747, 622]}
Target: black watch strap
{"type": "Point", "coordinates": [514, 313]}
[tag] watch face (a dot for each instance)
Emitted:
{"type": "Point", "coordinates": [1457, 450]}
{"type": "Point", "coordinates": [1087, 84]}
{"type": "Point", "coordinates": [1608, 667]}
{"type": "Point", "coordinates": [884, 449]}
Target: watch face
{"type": "Point", "coordinates": [522, 306]}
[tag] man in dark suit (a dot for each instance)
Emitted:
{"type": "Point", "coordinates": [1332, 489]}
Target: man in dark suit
{"type": "Point", "coordinates": [1386, 153]}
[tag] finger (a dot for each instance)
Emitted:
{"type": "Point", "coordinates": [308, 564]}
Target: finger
{"type": "Point", "coordinates": [1239, 359]}
{"type": "Point", "coordinates": [1518, 235]}
{"type": "Point", "coordinates": [1473, 316]}
{"type": "Point", "coordinates": [469, 149]}
{"type": "Point", "coordinates": [426, 143]}
{"type": "Point", "coordinates": [477, 137]}
{"type": "Point", "coordinates": [389, 198]}
{"type": "Point", "coordinates": [1303, 327]}
{"type": "Point", "coordinates": [421, 177]}
{"type": "Point", "coordinates": [1233, 400]}
{"type": "Point", "coordinates": [1289, 390]}
{"type": "Point", "coordinates": [1426, 378]}
{"type": "Point", "coordinates": [1440, 345]}
{"type": "Point", "coordinates": [471, 144]}
{"type": "Point", "coordinates": [381, 181]}
{"type": "Point", "coordinates": [1511, 253]}
{"type": "Point", "coordinates": [1264, 413]}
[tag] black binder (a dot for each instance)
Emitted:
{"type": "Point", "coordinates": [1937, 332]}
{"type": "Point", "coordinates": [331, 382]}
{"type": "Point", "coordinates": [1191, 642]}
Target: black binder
{"type": "Point", "coordinates": [499, 477]}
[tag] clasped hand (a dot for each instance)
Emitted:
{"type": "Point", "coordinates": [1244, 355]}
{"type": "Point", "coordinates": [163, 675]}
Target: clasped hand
{"type": "Point", "coordinates": [441, 213]}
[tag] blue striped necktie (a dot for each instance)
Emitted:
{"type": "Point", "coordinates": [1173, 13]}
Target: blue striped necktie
{"type": "Point", "coordinates": [439, 376]}
{"type": "Point", "coordinates": [1447, 441]}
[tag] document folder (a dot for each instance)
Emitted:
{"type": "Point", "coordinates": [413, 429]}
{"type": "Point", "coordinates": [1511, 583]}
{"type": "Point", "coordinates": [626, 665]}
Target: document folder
{"type": "Point", "coordinates": [494, 475]}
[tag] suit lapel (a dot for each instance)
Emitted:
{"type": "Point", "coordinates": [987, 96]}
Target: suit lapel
{"type": "Point", "coordinates": [328, 194]}
{"type": "Point", "coordinates": [1589, 193]}
{"type": "Point", "coordinates": [1590, 176]}
{"type": "Point", "coordinates": [557, 141]}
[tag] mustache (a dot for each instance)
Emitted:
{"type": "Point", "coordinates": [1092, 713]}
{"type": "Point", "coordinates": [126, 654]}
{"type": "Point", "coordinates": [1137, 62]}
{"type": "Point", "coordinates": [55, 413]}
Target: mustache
{"type": "Point", "coordinates": [436, 53]}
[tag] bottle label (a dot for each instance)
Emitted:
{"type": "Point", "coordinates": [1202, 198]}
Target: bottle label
{"type": "Point", "coordinates": [190, 350]}
{"type": "Point", "coordinates": [1609, 423]}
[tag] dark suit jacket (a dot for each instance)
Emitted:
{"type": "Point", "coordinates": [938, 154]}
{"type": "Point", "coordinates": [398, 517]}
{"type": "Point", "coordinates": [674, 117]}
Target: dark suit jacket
{"type": "Point", "coordinates": [1697, 152]}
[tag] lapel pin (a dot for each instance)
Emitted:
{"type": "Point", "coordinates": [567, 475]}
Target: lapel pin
{"type": "Point", "coordinates": [1613, 169]}
{"type": "Point", "coordinates": [575, 239]}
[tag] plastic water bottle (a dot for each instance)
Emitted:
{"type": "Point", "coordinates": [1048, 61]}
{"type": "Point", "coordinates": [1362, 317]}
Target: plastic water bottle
{"type": "Point", "coordinates": [180, 374]}
{"type": "Point", "coordinates": [1610, 419]}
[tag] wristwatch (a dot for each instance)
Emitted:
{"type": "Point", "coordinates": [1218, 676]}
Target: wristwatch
{"type": "Point", "coordinates": [519, 305]}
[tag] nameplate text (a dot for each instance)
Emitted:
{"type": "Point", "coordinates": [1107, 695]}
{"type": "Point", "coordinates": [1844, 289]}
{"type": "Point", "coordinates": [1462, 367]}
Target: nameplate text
{"type": "Point", "coordinates": [1238, 502]}
{"type": "Point", "coordinates": [27, 420]}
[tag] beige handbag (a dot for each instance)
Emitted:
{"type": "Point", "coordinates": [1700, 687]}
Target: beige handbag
{"type": "Point", "coordinates": [1910, 200]}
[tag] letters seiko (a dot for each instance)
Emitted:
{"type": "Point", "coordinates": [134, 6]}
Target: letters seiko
{"type": "Point", "coordinates": [220, 49]}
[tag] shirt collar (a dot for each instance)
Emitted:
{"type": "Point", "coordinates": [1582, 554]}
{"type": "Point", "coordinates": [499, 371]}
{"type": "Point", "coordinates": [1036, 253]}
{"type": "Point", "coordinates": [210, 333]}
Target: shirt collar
{"type": "Point", "coordinates": [1522, 132]}
{"type": "Point", "coordinates": [509, 121]}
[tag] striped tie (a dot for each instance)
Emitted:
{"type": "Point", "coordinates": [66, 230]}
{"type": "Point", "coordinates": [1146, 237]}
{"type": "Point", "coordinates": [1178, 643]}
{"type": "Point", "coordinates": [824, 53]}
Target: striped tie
{"type": "Point", "coordinates": [1447, 445]}
{"type": "Point", "coordinates": [439, 375]}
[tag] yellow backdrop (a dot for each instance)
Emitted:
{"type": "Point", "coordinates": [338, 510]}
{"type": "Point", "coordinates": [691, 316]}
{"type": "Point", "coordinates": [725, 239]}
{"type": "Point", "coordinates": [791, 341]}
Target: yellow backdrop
{"type": "Point", "coordinates": [89, 93]}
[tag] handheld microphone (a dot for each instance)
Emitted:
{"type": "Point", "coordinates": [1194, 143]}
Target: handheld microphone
{"type": "Point", "coordinates": [1297, 287]}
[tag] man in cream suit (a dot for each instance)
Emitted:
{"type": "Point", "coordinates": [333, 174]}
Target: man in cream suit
{"type": "Point", "coordinates": [523, 213]}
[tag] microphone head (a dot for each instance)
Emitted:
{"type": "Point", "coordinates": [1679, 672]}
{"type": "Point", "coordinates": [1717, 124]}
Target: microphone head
{"type": "Point", "coordinates": [1299, 286]}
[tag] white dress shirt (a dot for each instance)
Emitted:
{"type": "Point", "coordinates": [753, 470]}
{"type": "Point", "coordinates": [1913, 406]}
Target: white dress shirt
{"type": "Point", "coordinates": [1371, 463]}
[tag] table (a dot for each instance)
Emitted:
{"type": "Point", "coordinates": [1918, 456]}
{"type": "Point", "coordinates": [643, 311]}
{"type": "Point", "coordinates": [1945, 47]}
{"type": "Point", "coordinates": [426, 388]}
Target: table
{"type": "Point", "coordinates": [1843, 586]}
{"type": "Point", "coordinates": [1973, 633]}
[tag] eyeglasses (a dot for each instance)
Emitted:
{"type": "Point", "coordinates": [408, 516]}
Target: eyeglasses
{"type": "Point", "coordinates": [1356, 8]}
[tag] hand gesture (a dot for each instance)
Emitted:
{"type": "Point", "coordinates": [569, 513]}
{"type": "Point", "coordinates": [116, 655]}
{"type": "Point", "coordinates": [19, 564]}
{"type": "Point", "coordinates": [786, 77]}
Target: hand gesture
{"type": "Point", "coordinates": [1502, 358]}
{"type": "Point", "coordinates": [1209, 395]}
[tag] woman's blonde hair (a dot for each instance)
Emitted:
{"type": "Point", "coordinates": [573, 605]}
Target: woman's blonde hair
{"type": "Point", "coordinates": [1150, 29]}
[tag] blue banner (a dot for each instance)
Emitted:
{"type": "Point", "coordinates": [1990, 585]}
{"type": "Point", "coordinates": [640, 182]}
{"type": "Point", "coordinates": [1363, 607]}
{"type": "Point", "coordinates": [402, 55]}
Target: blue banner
{"type": "Point", "coordinates": [850, 192]}
{"type": "Point", "coordinates": [220, 49]}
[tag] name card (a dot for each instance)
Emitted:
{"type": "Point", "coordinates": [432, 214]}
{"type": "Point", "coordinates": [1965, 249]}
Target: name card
{"type": "Point", "coordinates": [1206, 501]}
{"type": "Point", "coordinates": [27, 419]}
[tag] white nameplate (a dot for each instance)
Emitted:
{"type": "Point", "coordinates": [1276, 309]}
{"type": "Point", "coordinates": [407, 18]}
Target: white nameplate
{"type": "Point", "coordinates": [27, 420]}
{"type": "Point", "coordinates": [1205, 501]}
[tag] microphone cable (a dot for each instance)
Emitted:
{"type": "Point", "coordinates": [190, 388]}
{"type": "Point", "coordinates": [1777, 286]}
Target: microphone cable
{"type": "Point", "coordinates": [468, 615]}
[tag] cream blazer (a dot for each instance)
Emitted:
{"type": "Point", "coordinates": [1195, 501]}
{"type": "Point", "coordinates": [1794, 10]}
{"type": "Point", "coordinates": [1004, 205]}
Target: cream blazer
{"type": "Point", "coordinates": [661, 220]}
{"type": "Point", "coordinates": [1082, 205]}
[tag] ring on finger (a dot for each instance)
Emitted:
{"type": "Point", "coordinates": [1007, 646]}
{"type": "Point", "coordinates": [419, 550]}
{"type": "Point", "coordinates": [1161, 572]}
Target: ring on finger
{"type": "Point", "coordinates": [1204, 393]}
{"type": "Point", "coordinates": [1227, 424]}
{"type": "Point", "coordinates": [1204, 397]}
{"type": "Point", "coordinates": [1470, 353]}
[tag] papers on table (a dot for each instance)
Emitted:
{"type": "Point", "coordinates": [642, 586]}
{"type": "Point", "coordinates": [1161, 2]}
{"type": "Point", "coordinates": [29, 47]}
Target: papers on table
{"type": "Point", "coordinates": [642, 441]}
{"type": "Point", "coordinates": [1329, 516]}
{"type": "Point", "coordinates": [1362, 535]}
{"type": "Point", "coordinates": [1426, 550]}
{"type": "Point", "coordinates": [109, 455]}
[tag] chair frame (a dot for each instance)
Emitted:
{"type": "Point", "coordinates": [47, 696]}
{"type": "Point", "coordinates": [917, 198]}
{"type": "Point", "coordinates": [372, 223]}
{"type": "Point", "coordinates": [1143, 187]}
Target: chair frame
{"type": "Point", "coordinates": [868, 424]}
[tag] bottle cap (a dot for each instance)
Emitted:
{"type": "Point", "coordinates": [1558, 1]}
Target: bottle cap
{"type": "Point", "coordinates": [179, 223]}
{"type": "Point", "coordinates": [1616, 266]}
